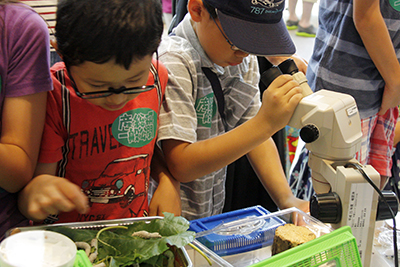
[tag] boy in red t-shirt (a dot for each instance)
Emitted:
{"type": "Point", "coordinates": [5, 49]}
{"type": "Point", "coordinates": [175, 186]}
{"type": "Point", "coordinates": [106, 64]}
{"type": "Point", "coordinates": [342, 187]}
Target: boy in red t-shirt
{"type": "Point", "coordinates": [102, 117]}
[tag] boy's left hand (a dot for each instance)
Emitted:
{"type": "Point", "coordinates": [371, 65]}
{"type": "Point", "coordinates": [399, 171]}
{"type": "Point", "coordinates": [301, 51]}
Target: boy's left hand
{"type": "Point", "coordinates": [390, 98]}
{"type": "Point", "coordinates": [296, 202]}
{"type": "Point", "coordinates": [166, 198]}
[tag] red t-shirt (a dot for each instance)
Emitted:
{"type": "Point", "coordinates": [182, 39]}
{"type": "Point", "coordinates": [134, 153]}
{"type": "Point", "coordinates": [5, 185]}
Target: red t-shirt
{"type": "Point", "coordinates": [106, 153]}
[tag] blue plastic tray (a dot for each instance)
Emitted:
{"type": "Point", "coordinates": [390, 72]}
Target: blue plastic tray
{"type": "Point", "coordinates": [236, 231]}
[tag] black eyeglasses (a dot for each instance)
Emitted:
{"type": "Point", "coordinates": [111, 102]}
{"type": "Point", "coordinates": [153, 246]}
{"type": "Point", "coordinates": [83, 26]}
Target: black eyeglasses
{"type": "Point", "coordinates": [123, 90]}
{"type": "Point", "coordinates": [233, 47]}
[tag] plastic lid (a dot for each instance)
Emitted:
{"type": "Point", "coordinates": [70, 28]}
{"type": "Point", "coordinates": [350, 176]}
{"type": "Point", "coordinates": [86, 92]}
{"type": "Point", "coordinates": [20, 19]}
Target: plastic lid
{"type": "Point", "coordinates": [37, 248]}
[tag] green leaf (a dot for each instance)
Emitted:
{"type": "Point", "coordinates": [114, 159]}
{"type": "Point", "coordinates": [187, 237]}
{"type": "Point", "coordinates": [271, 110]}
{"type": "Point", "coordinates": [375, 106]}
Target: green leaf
{"type": "Point", "coordinates": [121, 249]}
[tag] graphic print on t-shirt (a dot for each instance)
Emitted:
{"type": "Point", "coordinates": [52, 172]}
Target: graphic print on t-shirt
{"type": "Point", "coordinates": [111, 186]}
{"type": "Point", "coordinates": [395, 4]}
{"type": "Point", "coordinates": [120, 190]}
{"type": "Point", "coordinates": [206, 108]}
{"type": "Point", "coordinates": [124, 183]}
{"type": "Point", "coordinates": [135, 128]}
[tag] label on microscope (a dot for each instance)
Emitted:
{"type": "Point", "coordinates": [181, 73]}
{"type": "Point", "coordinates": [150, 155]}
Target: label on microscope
{"type": "Point", "coordinates": [359, 213]}
{"type": "Point", "coordinates": [352, 111]}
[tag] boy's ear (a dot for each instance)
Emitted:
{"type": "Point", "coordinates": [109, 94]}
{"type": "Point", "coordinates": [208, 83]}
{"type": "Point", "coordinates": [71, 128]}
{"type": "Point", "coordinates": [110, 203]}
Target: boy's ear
{"type": "Point", "coordinates": [196, 9]}
{"type": "Point", "coordinates": [54, 44]}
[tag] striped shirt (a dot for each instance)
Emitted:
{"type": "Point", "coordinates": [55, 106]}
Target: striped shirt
{"type": "Point", "coordinates": [47, 10]}
{"type": "Point", "coordinates": [190, 112]}
{"type": "Point", "coordinates": [341, 63]}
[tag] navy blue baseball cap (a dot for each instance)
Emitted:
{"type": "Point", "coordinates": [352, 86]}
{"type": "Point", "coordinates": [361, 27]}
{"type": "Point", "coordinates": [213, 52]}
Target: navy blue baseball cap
{"type": "Point", "coordinates": [255, 26]}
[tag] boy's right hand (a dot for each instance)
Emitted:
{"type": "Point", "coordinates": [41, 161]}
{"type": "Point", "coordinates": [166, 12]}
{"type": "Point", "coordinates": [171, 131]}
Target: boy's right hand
{"type": "Point", "coordinates": [279, 102]}
{"type": "Point", "coordinates": [47, 194]}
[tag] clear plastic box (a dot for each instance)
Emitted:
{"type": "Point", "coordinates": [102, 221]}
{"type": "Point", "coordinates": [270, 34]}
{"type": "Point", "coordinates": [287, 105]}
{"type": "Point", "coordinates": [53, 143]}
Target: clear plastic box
{"type": "Point", "coordinates": [292, 215]}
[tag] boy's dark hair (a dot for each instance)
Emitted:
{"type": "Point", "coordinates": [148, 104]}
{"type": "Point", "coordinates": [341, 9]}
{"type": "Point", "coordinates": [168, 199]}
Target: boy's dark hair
{"type": "Point", "coordinates": [99, 30]}
{"type": "Point", "coordinates": [210, 10]}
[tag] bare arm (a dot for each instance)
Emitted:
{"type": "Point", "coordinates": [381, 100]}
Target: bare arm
{"type": "Point", "coordinates": [371, 27]}
{"type": "Point", "coordinates": [267, 165]}
{"type": "Point", "coordinates": [396, 134]}
{"type": "Point", "coordinates": [189, 161]}
{"type": "Point", "coordinates": [48, 194]}
{"type": "Point", "coordinates": [22, 126]}
{"type": "Point", "coordinates": [167, 196]}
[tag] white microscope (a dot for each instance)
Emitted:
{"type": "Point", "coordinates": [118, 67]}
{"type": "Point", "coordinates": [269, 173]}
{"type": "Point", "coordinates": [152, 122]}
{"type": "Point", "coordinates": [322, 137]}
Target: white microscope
{"type": "Point", "coordinates": [331, 128]}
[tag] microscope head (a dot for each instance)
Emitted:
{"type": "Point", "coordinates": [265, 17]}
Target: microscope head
{"type": "Point", "coordinates": [330, 124]}
{"type": "Point", "coordinates": [329, 121]}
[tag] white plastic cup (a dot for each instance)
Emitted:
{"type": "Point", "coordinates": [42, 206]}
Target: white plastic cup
{"type": "Point", "coordinates": [37, 249]}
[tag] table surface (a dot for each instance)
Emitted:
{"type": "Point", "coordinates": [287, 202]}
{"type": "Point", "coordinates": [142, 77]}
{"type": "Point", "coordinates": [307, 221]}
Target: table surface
{"type": "Point", "coordinates": [381, 255]}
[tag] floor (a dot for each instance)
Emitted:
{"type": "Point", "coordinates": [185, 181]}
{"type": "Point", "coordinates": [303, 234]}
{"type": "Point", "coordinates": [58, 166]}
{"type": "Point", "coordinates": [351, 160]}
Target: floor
{"type": "Point", "coordinates": [304, 45]}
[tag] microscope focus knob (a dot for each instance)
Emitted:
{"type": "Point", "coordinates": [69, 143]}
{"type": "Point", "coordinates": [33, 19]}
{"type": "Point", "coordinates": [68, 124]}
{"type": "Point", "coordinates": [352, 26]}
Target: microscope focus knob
{"type": "Point", "coordinates": [326, 207]}
{"type": "Point", "coordinates": [309, 133]}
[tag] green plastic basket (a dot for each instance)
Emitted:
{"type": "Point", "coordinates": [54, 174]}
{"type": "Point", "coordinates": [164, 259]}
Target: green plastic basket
{"type": "Point", "coordinates": [338, 248]}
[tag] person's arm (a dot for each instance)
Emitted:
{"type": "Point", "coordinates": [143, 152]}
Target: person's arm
{"type": "Point", "coordinates": [396, 134]}
{"type": "Point", "coordinates": [166, 198]}
{"type": "Point", "coordinates": [24, 106]}
{"type": "Point", "coordinates": [22, 126]}
{"type": "Point", "coordinates": [268, 167]}
{"type": "Point", "coordinates": [371, 26]}
{"type": "Point", "coordinates": [189, 161]}
{"type": "Point", "coordinates": [48, 194]}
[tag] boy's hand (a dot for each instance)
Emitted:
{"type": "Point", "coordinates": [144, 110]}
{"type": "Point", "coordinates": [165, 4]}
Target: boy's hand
{"type": "Point", "coordinates": [166, 198]}
{"type": "Point", "coordinates": [293, 201]}
{"type": "Point", "coordinates": [47, 194]}
{"type": "Point", "coordinates": [279, 102]}
{"type": "Point", "coordinates": [390, 98]}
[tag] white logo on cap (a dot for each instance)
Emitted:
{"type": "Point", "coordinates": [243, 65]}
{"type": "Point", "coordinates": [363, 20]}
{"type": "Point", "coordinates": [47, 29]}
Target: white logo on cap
{"type": "Point", "coordinates": [267, 3]}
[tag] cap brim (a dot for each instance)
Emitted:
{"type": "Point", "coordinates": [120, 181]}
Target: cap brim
{"type": "Point", "coordinates": [258, 38]}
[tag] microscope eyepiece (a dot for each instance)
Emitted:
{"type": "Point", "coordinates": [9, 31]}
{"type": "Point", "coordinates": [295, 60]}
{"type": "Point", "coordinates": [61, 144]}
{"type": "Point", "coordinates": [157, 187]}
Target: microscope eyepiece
{"type": "Point", "coordinates": [288, 67]}
{"type": "Point", "coordinates": [270, 74]}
